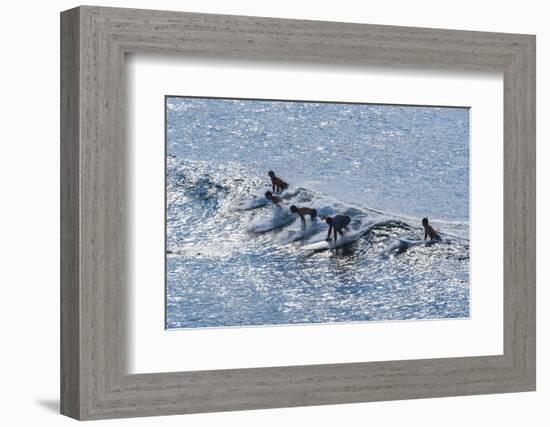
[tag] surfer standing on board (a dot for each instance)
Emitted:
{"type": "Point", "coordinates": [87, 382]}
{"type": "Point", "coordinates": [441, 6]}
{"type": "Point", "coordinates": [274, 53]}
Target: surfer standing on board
{"type": "Point", "coordinates": [336, 223]}
{"type": "Point", "coordinates": [277, 183]}
{"type": "Point", "coordinates": [429, 231]}
{"type": "Point", "coordinates": [276, 200]}
{"type": "Point", "coordinates": [302, 212]}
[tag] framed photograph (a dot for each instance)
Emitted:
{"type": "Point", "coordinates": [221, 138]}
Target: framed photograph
{"type": "Point", "coordinates": [262, 213]}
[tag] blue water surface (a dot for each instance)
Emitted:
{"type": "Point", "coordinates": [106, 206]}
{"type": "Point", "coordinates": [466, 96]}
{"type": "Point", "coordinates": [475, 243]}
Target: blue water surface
{"type": "Point", "coordinates": [234, 260]}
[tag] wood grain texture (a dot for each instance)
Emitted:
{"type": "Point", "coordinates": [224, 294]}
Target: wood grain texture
{"type": "Point", "coordinates": [70, 291]}
{"type": "Point", "coordinates": [94, 382]}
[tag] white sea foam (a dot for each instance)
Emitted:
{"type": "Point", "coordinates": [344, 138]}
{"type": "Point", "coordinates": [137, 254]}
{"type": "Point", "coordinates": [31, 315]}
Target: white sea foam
{"type": "Point", "coordinates": [276, 218]}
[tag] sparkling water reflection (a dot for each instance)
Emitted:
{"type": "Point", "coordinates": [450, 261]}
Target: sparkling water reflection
{"type": "Point", "coordinates": [384, 166]}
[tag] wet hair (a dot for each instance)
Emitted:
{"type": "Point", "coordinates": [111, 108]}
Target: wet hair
{"type": "Point", "coordinates": [328, 220]}
{"type": "Point", "coordinates": [271, 173]}
{"type": "Point", "coordinates": [424, 221]}
{"type": "Point", "coordinates": [268, 194]}
{"type": "Point", "coordinates": [293, 209]}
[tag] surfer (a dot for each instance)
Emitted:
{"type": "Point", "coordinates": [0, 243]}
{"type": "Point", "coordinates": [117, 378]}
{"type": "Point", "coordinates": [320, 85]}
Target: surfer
{"type": "Point", "coordinates": [276, 200]}
{"type": "Point", "coordinates": [277, 183]}
{"type": "Point", "coordinates": [336, 223]}
{"type": "Point", "coordinates": [302, 212]}
{"type": "Point", "coordinates": [429, 231]}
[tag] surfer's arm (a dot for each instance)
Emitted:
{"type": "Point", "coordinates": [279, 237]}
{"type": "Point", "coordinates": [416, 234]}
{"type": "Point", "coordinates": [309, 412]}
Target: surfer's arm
{"type": "Point", "coordinates": [329, 231]}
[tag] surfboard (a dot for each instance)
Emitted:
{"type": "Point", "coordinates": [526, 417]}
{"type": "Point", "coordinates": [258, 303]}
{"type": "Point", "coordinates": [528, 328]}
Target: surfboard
{"type": "Point", "coordinates": [262, 228]}
{"type": "Point", "coordinates": [278, 218]}
{"type": "Point", "coordinates": [433, 242]}
{"type": "Point", "coordinates": [317, 246]}
{"type": "Point", "coordinates": [259, 201]}
{"type": "Point", "coordinates": [295, 234]}
{"type": "Point", "coordinates": [406, 243]}
{"type": "Point", "coordinates": [401, 245]}
{"type": "Point", "coordinates": [253, 203]}
{"type": "Point", "coordinates": [348, 238]}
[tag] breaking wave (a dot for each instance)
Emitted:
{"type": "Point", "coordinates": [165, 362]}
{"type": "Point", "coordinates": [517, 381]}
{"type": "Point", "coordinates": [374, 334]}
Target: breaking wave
{"type": "Point", "coordinates": [219, 224]}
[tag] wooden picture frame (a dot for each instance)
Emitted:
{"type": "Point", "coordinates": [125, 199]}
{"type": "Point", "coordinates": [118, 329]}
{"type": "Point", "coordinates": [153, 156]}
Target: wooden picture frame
{"type": "Point", "coordinates": [94, 382]}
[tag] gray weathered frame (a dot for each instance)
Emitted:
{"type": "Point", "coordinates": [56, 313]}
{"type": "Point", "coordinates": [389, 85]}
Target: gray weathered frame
{"type": "Point", "coordinates": [94, 41]}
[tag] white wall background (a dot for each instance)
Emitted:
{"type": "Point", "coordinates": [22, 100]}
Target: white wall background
{"type": "Point", "coordinates": [29, 211]}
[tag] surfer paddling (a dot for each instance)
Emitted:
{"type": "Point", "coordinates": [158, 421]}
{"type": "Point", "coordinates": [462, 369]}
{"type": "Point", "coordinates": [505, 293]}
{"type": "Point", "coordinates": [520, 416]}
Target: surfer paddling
{"type": "Point", "coordinates": [277, 183]}
{"type": "Point", "coordinates": [302, 212]}
{"type": "Point", "coordinates": [276, 200]}
{"type": "Point", "coordinates": [429, 231]}
{"type": "Point", "coordinates": [337, 223]}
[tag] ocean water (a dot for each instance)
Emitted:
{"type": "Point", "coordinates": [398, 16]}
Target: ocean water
{"type": "Point", "coordinates": [235, 260]}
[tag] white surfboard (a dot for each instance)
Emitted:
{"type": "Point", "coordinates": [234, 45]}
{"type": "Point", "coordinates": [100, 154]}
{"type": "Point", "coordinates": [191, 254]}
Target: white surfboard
{"type": "Point", "coordinates": [349, 237]}
{"type": "Point", "coordinates": [317, 246]}
{"type": "Point", "coordinates": [271, 225]}
{"type": "Point", "coordinates": [259, 200]}
{"type": "Point", "coordinates": [401, 245]}
{"type": "Point", "coordinates": [252, 203]}
{"type": "Point", "coordinates": [277, 218]}
{"type": "Point", "coordinates": [296, 234]}
{"type": "Point", "coordinates": [406, 243]}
